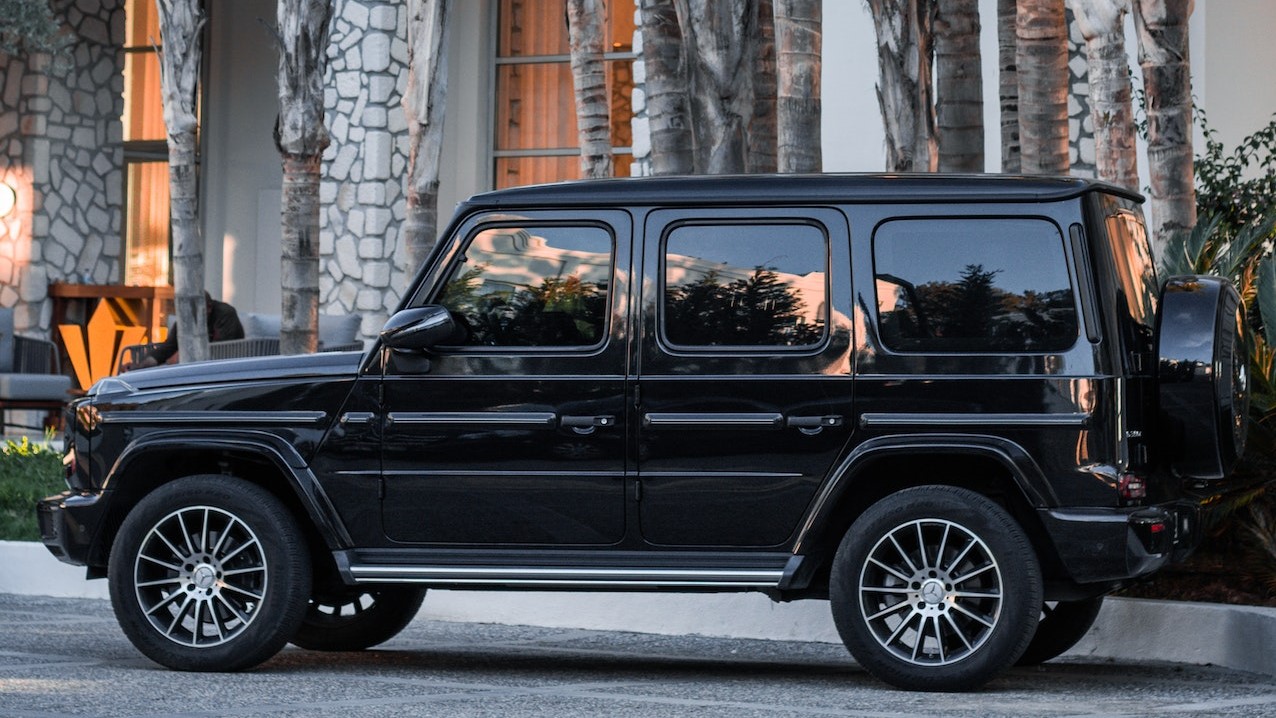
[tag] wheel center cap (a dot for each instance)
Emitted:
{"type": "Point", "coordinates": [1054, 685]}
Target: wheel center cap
{"type": "Point", "coordinates": [204, 577]}
{"type": "Point", "coordinates": [933, 592]}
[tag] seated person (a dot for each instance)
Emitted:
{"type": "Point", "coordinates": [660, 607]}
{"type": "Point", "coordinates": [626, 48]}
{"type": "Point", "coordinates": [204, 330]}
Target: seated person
{"type": "Point", "coordinates": [223, 324]}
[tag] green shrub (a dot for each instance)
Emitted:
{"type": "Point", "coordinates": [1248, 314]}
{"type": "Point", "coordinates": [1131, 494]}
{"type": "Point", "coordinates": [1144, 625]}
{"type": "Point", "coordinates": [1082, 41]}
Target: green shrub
{"type": "Point", "coordinates": [28, 472]}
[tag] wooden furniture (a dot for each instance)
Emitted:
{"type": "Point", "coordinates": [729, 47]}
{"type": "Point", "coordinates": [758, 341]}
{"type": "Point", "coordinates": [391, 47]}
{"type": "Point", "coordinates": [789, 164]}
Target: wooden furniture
{"type": "Point", "coordinates": [91, 322]}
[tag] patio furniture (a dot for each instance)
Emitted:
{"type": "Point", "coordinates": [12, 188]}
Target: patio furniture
{"type": "Point", "coordinates": [30, 377]}
{"type": "Point", "coordinates": [337, 333]}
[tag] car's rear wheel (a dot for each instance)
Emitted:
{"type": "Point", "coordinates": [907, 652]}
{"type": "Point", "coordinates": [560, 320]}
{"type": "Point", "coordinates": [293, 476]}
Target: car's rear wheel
{"type": "Point", "coordinates": [1062, 624]}
{"type": "Point", "coordinates": [357, 618]}
{"type": "Point", "coordinates": [935, 588]}
{"type": "Point", "coordinates": [209, 573]}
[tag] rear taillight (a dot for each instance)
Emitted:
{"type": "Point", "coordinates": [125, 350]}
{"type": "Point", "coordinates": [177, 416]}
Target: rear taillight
{"type": "Point", "coordinates": [1132, 487]}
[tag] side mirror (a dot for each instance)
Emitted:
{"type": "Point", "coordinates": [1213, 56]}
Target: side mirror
{"type": "Point", "coordinates": [420, 328]}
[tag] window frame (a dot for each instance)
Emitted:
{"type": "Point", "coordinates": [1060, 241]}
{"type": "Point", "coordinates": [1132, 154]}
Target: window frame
{"type": "Point", "coordinates": [825, 309]}
{"type": "Point", "coordinates": [1068, 271]}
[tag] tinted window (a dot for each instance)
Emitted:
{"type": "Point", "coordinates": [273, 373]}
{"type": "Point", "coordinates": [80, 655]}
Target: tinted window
{"type": "Point", "coordinates": [731, 285]}
{"type": "Point", "coordinates": [1132, 259]}
{"type": "Point", "coordinates": [532, 286]}
{"type": "Point", "coordinates": [973, 285]}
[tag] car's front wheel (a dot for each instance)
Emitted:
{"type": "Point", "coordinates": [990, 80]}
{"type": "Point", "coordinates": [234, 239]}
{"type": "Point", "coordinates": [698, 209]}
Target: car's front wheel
{"type": "Point", "coordinates": [209, 573]}
{"type": "Point", "coordinates": [357, 618]}
{"type": "Point", "coordinates": [935, 588]}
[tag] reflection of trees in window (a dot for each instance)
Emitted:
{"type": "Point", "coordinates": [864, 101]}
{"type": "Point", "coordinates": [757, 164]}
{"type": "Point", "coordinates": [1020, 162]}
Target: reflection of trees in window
{"type": "Point", "coordinates": [758, 310]}
{"type": "Point", "coordinates": [973, 314]}
{"type": "Point", "coordinates": [556, 312]}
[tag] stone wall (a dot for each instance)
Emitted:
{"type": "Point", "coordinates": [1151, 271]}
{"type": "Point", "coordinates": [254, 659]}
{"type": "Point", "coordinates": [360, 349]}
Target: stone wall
{"type": "Point", "coordinates": [363, 169]}
{"type": "Point", "coordinates": [1081, 152]}
{"type": "Point", "coordinates": [60, 149]}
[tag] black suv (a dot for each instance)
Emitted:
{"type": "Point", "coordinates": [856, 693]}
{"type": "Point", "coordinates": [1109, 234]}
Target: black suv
{"type": "Point", "coordinates": [962, 409]}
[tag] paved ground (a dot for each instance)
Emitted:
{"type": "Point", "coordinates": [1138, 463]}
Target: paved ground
{"type": "Point", "coordinates": [64, 657]}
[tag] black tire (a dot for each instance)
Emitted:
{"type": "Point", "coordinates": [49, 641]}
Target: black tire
{"type": "Point", "coordinates": [1062, 624]}
{"type": "Point", "coordinates": [1203, 376]}
{"type": "Point", "coordinates": [971, 546]}
{"type": "Point", "coordinates": [209, 573]}
{"type": "Point", "coordinates": [357, 618]}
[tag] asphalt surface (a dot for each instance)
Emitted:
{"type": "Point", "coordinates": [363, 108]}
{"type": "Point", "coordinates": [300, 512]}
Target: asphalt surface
{"type": "Point", "coordinates": [67, 657]}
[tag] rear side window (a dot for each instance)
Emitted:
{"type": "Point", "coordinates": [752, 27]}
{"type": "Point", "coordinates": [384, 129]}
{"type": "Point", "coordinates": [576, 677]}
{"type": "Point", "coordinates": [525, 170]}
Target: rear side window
{"type": "Point", "coordinates": [532, 287]}
{"type": "Point", "coordinates": [745, 285]}
{"type": "Point", "coordinates": [973, 285]}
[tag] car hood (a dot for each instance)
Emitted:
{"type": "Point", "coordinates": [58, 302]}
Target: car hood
{"type": "Point", "coordinates": [273, 368]}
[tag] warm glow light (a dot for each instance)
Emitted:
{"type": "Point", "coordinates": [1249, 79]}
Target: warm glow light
{"type": "Point", "coordinates": [8, 199]}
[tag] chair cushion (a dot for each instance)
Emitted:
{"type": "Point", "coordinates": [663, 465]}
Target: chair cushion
{"type": "Point", "coordinates": [337, 329]}
{"type": "Point", "coordinates": [34, 387]}
{"type": "Point", "coordinates": [259, 326]}
{"type": "Point", "coordinates": [334, 329]}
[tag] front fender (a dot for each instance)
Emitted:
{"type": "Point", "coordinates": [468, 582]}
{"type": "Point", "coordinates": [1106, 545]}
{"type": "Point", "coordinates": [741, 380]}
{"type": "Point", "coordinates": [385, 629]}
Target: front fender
{"type": "Point", "coordinates": [274, 449]}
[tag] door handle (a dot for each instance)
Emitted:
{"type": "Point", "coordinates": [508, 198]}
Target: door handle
{"type": "Point", "coordinates": [587, 424]}
{"type": "Point", "coordinates": [812, 424]}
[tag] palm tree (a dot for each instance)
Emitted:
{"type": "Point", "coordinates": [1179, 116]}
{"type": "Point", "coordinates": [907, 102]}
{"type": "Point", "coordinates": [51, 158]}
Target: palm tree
{"type": "Point", "coordinates": [717, 40]}
{"type": "Point", "coordinates": [1042, 59]}
{"type": "Point", "coordinates": [423, 104]}
{"type": "Point", "coordinates": [1110, 107]}
{"type": "Point", "coordinates": [593, 115]}
{"type": "Point", "coordinates": [798, 42]}
{"type": "Point", "coordinates": [904, 61]}
{"type": "Point", "coordinates": [1167, 83]}
{"type": "Point", "coordinates": [762, 152]}
{"type": "Point", "coordinates": [1008, 85]}
{"type": "Point", "coordinates": [668, 108]}
{"type": "Point", "coordinates": [301, 137]}
{"type": "Point", "coordinates": [959, 86]}
{"type": "Point", "coordinates": [181, 26]}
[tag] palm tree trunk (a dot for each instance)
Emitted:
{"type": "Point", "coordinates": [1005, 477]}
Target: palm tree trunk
{"type": "Point", "coordinates": [1167, 83]}
{"type": "Point", "coordinates": [1110, 106]}
{"type": "Point", "coordinates": [798, 42]}
{"type": "Point", "coordinates": [424, 101]}
{"type": "Point", "coordinates": [1042, 58]}
{"type": "Point", "coordinates": [904, 60]}
{"type": "Point", "coordinates": [959, 86]}
{"type": "Point", "coordinates": [181, 26]}
{"type": "Point", "coordinates": [1008, 84]}
{"type": "Point", "coordinates": [716, 40]}
{"type": "Point", "coordinates": [593, 115]}
{"type": "Point", "coordinates": [667, 103]}
{"type": "Point", "coordinates": [762, 142]}
{"type": "Point", "coordinates": [301, 137]}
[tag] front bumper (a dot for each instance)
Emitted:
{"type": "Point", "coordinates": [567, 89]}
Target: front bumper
{"type": "Point", "coordinates": [1097, 545]}
{"type": "Point", "coordinates": [68, 524]}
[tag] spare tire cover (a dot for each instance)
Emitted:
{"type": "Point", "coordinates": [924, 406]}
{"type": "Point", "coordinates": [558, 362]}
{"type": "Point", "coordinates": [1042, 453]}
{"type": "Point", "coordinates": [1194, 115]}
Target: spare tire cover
{"type": "Point", "coordinates": [1203, 376]}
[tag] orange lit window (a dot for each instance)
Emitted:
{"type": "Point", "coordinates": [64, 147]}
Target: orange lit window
{"type": "Point", "coordinates": [535, 137]}
{"type": "Point", "coordinates": [146, 198]}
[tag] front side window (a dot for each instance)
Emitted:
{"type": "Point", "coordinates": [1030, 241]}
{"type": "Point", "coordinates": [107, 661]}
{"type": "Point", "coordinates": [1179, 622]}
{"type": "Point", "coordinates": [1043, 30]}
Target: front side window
{"type": "Point", "coordinates": [730, 285]}
{"type": "Point", "coordinates": [973, 285]}
{"type": "Point", "coordinates": [532, 287]}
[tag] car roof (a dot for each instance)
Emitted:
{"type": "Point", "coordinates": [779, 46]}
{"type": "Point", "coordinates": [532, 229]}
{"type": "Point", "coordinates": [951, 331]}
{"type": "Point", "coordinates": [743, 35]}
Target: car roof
{"type": "Point", "coordinates": [797, 189]}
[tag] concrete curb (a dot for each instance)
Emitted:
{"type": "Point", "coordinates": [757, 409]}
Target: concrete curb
{"type": "Point", "coordinates": [1237, 637]}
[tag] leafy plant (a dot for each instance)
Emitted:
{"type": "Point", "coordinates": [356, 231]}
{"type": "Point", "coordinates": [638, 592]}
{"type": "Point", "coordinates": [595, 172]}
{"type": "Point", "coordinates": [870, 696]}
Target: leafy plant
{"type": "Point", "coordinates": [29, 471]}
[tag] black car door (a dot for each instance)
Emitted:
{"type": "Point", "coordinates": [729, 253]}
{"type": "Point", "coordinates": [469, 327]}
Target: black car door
{"type": "Point", "coordinates": [516, 434]}
{"type": "Point", "coordinates": [744, 379]}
